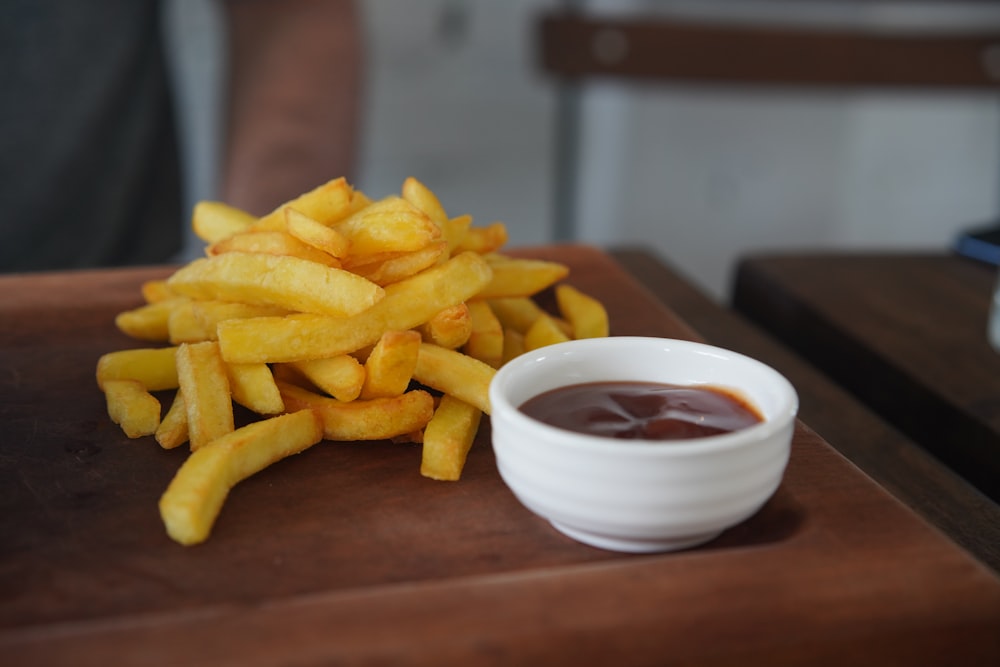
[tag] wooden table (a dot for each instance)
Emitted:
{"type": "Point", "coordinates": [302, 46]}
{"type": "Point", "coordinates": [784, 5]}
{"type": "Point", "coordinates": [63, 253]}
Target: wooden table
{"type": "Point", "coordinates": [905, 333]}
{"type": "Point", "coordinates": [345, 555]}
{"type": "Point", "coordinates": [888, 456]}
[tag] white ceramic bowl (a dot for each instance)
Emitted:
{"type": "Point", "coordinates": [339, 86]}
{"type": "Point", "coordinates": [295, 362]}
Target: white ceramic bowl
{"type": "Point", "coordinates": [641, 496]}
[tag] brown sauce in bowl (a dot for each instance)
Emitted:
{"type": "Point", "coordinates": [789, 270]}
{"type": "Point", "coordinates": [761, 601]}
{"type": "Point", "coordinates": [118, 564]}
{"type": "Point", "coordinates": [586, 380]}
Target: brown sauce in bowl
{"type": "Point", "coordinates": [642, 410]}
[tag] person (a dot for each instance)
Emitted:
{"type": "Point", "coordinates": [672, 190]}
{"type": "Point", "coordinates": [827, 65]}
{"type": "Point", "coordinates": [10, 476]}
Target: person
{"type": "Point", "coordinates": [89, 158]}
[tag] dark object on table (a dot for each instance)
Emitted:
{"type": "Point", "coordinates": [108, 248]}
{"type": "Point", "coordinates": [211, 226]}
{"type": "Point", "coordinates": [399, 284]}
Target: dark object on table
{"type": "Point", "coordinates": [982, 243]}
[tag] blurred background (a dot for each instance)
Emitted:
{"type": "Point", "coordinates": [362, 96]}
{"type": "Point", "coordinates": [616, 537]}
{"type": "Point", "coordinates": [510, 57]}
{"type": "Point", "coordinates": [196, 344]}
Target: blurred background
{"type": "Point", "coordinates": [700, 173]}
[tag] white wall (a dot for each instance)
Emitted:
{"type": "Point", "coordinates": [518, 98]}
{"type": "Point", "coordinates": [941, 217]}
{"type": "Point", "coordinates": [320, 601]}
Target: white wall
{"type": "Point", "coordinates": [455, 100]}
{"type": "Point", "coordinates": [705, 174]}
{"type": "Point", "coordinates": [701, 174]}
{"type": "Point", "coordinates": [195, 42]}
{"type": "Point", "coordinates": [709, 175]}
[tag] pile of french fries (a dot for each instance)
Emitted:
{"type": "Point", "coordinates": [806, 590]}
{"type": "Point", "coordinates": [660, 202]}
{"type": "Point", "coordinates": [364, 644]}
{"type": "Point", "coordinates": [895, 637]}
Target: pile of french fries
{"type": "Point", "coordinates": [335, 317]}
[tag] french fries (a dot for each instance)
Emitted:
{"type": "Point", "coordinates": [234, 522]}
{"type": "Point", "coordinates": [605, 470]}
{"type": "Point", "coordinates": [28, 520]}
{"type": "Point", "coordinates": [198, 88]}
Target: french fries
{"type": "Point", "coordinates": [276, 280]}
{"type": "Point", "coordinates": [150, 322]}
{"type": "Point", "coordinates": [390, 225]}
{"type": "Point", "coordinates": [407, 304]}
{"type": "Point", "coordinates": [202, 377]}
{"type": "Point", "coordinates": [389, 368]}
{"type": "Point", "coordinates": [173, 429]}
{"type": "Point", "coordinates": [154, 368]}
{"type": "Point", "coordinates": [341, 376]}
{"type": "Point", "coordinates": [274, 242]}
{"type": "Point", "coordinates": [585, 314]}
{"type": "Point", "coordinates": [195, 496]}
{"type": "Point", "coordinates": [371, 419]}
{"type": "Point", "coordinates": [454, 373]}
{"type": "Point", "coordinates": [448, 438]}
{"type": "Point", "coordinates": [337, 317]}
{"type": "Point", "coordinates": [387, 268]}
{"type": "Point", "coordinates": [213, 221]}
{"type": "Point", "coordinates": [516, 313]}
{"type": "Point", "coordinates": [485, 340]}
{"type": "Point", "coordinates": [521, 277]}
{"type": "Point", "coordinates": [326, 203]}
{"type": "Point", "coordinates": [252, 386]}
{"type": "Point", "coordinates": [449, 328]}
{"type": "Point", "coordinates": [315, 233]}
{"type": "Point", "coordinates": [545, 331]}
{"type": "Point", "coordinates": [132, 407]}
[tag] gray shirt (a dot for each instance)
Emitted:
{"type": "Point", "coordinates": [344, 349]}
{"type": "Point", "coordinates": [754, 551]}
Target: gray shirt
{"type": "Point", "coordinates": [88, 158]}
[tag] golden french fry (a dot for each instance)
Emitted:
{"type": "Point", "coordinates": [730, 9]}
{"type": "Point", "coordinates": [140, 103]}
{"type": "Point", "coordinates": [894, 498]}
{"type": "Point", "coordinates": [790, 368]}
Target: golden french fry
{"type": "Point", "coordinates": [288, 282]}
{"type": "Point", "coordinates": [213, 221]}
{"type": "Point", "coordinates": [423, 198]}
{"type": "Point", "coordinates": [253, 387]}
{"type": "Point", "coordinates": [288, 374]}
{"type": "Point", "coordinates": [155, 368]}
{"type": "Point", "coordinates": [513, 345]}
{"type": "Point", "coordinates": [454, 373]}
{"type": "Point", "coordinates": [455, 230]}
{"type": "Point", "coordinates": [388, 225]}
{"type": "Point", "coordinates": [315, 233]}
{"type": "Point", "coordinates": [149, 322]}
{"type": "Point", "coordinates": [210, 313]}
{"type": "Point", "coordinates": [414, 437]}
{"type": "Point", "coordinates": [341, 376]}
{"type": "Point", "coordinates": [203, 379]}
{"type": "Point", "coordinates": [486, 338]}
{"type": "Point", "coordinates": [387, 268]}
{"type": "Point", "coordinates": [184, 327]}
{"type": "Point", "coordinates": [195, 496]}
{"type": "Point", "coordinates": [545, 331]}
{"type": "Point", "coordinates": [389, 366]}
{"type": "Point", "coordinates": [522, 277]}
{"type": "Point", "coordinates": [517, 312]}
{"type": "Point", "coordinates": [196, 320]}
{"type": "Point", "coordinates": [585, 314]}
{"type": "Point", "coordinates": [448, 328]}
{"type": "Point", "coordinates": [173, 429]}
{"type": "Point", "coordinates": [272, 242]}
{"type": "Point", "coordinates": [359, 200]}
{"type": "Point", "coordinates": [407, 304]}
{"type": "Point", "coordinates": [132, 407]}
{"type": "Point", "coordinates": [483, 240]}
{"type": "Point", "coordinates": [373, 419]}
{"type": "Point", "coordinates": [327, 204]}
{"type": "Point", "coordinates": [448, 438]}
{"type": "Point", "coordinates": [156, 290]}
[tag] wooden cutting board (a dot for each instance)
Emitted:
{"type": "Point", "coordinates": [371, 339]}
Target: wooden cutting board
{"type": "Point", "coordinates": [345, 554]}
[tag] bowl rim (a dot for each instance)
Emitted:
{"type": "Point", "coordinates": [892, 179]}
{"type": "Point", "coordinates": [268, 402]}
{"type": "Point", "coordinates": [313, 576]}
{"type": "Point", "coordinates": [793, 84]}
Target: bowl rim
{"type": "Point", "coordinates": [784, 417]}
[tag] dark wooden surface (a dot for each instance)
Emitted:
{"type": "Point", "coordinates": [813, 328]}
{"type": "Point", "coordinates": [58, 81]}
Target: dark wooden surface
{"type": "Point", "coordinates": [905, 333]}
{"type": "Point", "coordinates": [344, 554]}
{"type": "Point", "coordinates": [891, 458]}
{"type": "Point", "coordinates": [658, 48]}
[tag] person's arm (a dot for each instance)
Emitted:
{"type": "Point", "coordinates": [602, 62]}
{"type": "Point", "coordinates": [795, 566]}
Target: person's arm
{"type": "Point", "coordinates": [292, 112]}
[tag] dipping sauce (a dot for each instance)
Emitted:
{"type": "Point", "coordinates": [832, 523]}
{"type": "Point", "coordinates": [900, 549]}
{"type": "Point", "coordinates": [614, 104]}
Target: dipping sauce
{"type": "Point", "coordinates": [642, 410]}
